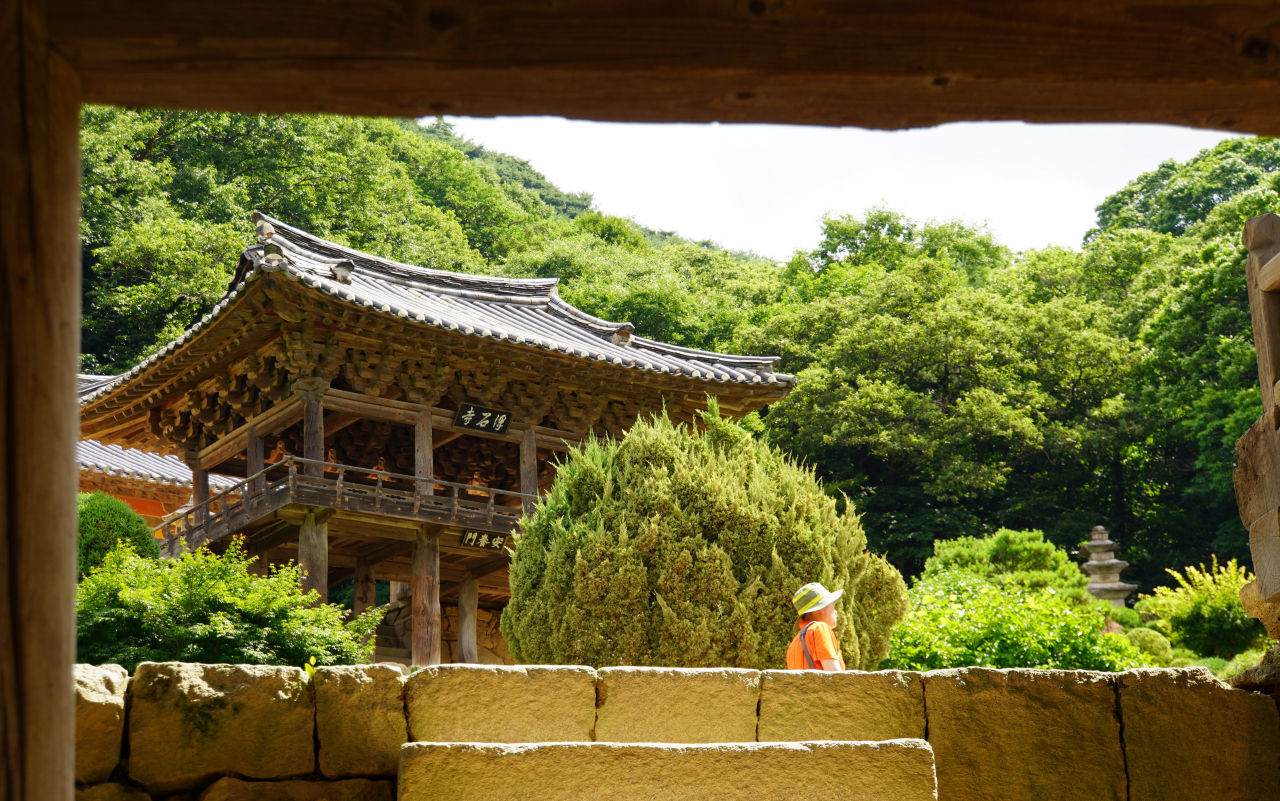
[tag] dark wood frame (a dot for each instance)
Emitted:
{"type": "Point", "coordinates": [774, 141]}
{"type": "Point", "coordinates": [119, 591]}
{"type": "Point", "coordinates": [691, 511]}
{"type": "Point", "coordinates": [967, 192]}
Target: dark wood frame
{"type": "Point", "coordinates": [884, 65]}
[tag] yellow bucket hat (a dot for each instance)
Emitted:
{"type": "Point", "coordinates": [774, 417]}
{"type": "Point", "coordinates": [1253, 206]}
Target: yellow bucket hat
{"type": "Point", "coordinates": [814, 596]}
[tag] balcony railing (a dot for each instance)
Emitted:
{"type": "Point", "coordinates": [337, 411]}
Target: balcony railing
{"type": "Point", "coordinates": [342, 487]}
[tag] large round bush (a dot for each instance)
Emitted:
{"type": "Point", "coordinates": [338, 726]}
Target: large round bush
{"type": "Point", "coordinates": [105, 521]}
{"type": "Point", "coordinates": [676, 548]}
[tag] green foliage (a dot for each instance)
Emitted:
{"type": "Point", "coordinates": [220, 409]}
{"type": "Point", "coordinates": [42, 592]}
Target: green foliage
{"type": "Point", "coordinates": [1215, 664]}
{"type": "Point", "coordinates": [941, 408]}
{"type": "Point", "coordinates": [1203, 613]}
{"type": "Point", "coordinates": [683, 549]}
{"type": "Point", "coordinates": [1125, 616]}
{"type": "Point", "coordinates": [103, 522]}
{"type": "Point", "coordinates": [207, 608]}
{"type": "Point", "coordinates": [1021, 558]}
{"type": "Point", "coordinates": [1239, 663]}
{"type": "Point", "coordinates": [1152, 643]}
{"type": "Point", "coordinates": [959, 619]}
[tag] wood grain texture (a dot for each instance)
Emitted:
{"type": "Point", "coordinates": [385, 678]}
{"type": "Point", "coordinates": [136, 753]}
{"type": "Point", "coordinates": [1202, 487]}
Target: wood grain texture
{"type": "Point", "coordinates": [1264, 546]}
{"type": "Point", "coordinates": [365, 596]}
{"type": "Point", "coordinates": [313, 556]}
{"type": "Point", "coordinates": [468, 604]}
{"type": "Point", "coordinates": [426, 599]}
{"type": "Point", "coordinates": [39, 347]}
{"type": "Point", "coordinates": [529, 468]}
{"type": "Point", "coordinates": [877, 64]}
{"type": "Point", "coordinates": [1262, 238]}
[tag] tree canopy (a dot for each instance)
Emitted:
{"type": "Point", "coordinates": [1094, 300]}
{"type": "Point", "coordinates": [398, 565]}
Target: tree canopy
{"type": "Point", "coordinates": [948, 387]}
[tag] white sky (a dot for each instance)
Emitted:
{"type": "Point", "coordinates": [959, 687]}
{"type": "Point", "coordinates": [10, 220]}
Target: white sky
{"type": "Point", "coordinates": [764, 187]}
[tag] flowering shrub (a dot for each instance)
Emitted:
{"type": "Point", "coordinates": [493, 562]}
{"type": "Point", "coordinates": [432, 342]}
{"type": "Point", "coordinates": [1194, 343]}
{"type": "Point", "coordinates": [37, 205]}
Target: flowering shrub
{"type": "Point", "coordinates": [208, 608]}
{"type": "Point", "coordinates": [959, 619]}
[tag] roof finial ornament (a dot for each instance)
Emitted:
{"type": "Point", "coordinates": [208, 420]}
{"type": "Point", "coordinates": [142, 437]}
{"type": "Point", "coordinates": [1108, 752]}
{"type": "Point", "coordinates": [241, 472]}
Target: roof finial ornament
{"type": "Point", "coordinates": [264, 230]}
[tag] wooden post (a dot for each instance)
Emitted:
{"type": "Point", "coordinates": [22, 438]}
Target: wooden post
{"type": "Point", "coordinates": [255, 461]}
{"type": "Point", "coordinates": [468, 605]}
{"type": "Point", "coordinates": [529, 467]}
{"type": "Point", "coordinates": [311, 390]}
{"type": "Point", "coordinates": [313, 555]}
{"type": "Point", "coordinates": [426, 599]}
{"type": "Point", "coordinates": [397, 587]}
{"type": "Point", "coordinates": [199, 490]}
{"type": "Point", "coordinates": [365, 597]}
{"type": "Point", "coordinates": [39, 415]}
{"type": "Point", "coordinates": [423, 452]}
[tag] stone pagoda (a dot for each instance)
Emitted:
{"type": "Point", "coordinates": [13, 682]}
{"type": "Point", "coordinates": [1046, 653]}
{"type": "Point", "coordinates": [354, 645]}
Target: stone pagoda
{"type": "Point", "coordinates": [1104, 568]}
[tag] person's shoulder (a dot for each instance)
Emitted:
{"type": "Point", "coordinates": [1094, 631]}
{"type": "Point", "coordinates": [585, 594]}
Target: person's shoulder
{"type": "Point", "coordinates": [818, 627]}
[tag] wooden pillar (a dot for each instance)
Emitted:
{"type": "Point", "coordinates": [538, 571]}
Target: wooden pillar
{"type": "Point", "coordinates": [397, 587]}
{"type": "Point", "coordinates": [39, 415]}
{"type": "Point", "coordinates": [423, 452]}
{"type": "Point", "coordinates": [312, 390]}
{"type": "Point", "coordinates": [365, 596]}
{"type": "Point", "coordinates": [199, 489]}
{"type": "Point", "coordinates": [426, 599]}
{"type": "Point", "coordinates": [255, 461]}
{"type": "Point", "coordinates": [529, 466]}
{"type": "Point", "coordinates": [468, 605]}
{"type": "Point", "coordinates": [313, 555]}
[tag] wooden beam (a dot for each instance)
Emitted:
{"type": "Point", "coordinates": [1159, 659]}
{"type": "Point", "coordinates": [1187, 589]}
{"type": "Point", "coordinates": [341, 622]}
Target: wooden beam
{"type": "Point", "coordinates": [39, 353]}
{"type": "Point", "coordinates": [254, 462]}
{"type": "Point", "coordinates": [273, 536]}
{"type": "Point", "coordinates": [880, 65]}
{"type": "Point", "coordinates": [492, 566]}
{"type": "Point", "coordinates": [426, 600]}
{"type": "Point", "coordinates": [382, 551]}
{"type": "Point", "coordinates": [274, 420]}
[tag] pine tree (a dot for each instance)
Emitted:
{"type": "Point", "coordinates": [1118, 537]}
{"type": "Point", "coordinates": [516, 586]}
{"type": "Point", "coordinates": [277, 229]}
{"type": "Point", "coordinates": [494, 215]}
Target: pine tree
{"type": "Point", "coordinates": [678, 548]}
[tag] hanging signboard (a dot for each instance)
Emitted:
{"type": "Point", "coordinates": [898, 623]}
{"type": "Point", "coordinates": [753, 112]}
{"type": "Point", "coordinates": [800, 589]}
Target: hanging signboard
{"type": "Point", "coordinates": [478, 418]}
{"type": "Point", "coordinates": [479, 539]}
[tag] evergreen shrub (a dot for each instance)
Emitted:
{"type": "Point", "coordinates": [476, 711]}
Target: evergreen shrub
{"type": "Point", "coordinates": [103, 521]}
{"type": "Point", "coordinates": [1152, 643]}
{"type": "Point", "coordinates": [207, 608]}
{"type": "Point", "coordinates": [1125, 616]}
{"type": "Point", "coordinates": [677, 548]}
{"type": "Point", "coordinates": [1010, 557]}
{"type": "Point", "coordinates": [1203, 613]}
{"type": "Point", "coordinates": [959, 619]}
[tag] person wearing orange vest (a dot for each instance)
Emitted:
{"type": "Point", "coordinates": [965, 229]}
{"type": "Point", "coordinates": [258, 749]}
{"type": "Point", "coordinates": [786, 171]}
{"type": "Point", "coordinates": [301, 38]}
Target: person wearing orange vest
{"type": "Point", "coordinates": [815, 646]}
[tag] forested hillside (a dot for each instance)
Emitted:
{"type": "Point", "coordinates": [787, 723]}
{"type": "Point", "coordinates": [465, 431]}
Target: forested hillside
{"type": "Point", "coordinates": [948, 386]}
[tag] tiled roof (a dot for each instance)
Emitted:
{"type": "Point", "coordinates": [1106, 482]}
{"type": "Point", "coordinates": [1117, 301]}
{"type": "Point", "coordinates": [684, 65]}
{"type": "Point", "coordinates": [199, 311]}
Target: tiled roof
{"type": "Point", "coordinates": [526, 311]}
{"type": "Point", "coordinates": [140, 465]}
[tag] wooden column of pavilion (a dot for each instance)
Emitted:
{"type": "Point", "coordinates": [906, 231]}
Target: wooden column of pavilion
{"type": "Point", "coordinates": [1209, 63]}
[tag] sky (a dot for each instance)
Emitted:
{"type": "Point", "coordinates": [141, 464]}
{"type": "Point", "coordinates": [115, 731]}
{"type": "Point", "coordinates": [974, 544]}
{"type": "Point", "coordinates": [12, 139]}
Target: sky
{"type": "Point", "coordinates": [765, 188]}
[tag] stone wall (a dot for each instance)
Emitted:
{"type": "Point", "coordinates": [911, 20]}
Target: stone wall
{"type": "Point", "coordinates": [185, 731]}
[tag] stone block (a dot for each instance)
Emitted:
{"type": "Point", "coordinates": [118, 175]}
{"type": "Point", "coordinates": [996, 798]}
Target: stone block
{"type": "Point", "coordinates": [498, 704]}
{"type": "Point", "coordinates": [901, 770]}
{"type": "Point", "coordinates": [850, 705]}
{"type": "Point", "coordinates": [190, 723]}
{"type": "Point", "coordinates": [100, 693]}
{"type": "Point", "coordinates": [677, 705]}
{"type": "Point", "coordinates": [111, 792]}
{"type": "Point", "coordinates": [230, 789]}
{"type": "Point", "coordinates": [1025, 735]}
{"type": "Point", "coordinates": [360, 719]}
{"type": "Point", "coordinates": [1189, 736]}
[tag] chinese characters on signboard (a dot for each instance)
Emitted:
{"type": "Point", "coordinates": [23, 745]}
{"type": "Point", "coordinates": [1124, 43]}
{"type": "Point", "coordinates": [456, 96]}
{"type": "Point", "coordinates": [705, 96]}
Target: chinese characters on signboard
{"type": "Point", "coordinates": [478, 418]}
{"type": "Point", "coordinates": [479, 539]}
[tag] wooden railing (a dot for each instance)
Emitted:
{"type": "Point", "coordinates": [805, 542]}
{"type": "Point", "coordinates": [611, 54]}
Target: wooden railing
{"type": "Point", "coordinates": [390, 495]}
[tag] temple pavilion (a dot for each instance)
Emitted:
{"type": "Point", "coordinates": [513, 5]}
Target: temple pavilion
{"type": "Point", "coordinates": [383, 421]}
